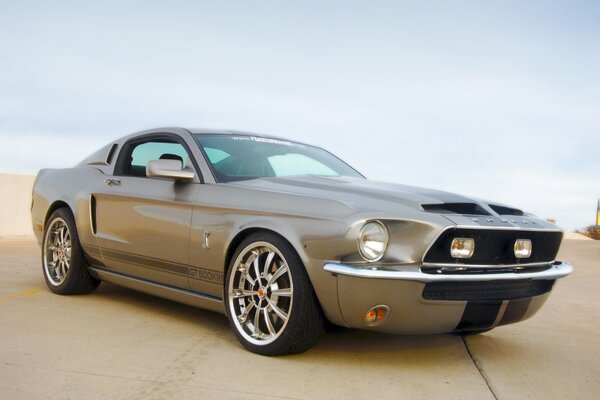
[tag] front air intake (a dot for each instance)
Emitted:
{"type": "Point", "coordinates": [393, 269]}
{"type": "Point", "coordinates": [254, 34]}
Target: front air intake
{"type": "Point", "coordinates": [486, 291]}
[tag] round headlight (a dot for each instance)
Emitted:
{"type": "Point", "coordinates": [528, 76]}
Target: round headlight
{"type": "Point", "coordinates": [373, 241]}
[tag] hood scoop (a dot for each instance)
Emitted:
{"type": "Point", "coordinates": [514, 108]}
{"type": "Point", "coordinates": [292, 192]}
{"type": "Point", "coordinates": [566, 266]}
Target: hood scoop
{"type": "Point", "coordinates": [455, 208]}
{"type": "Point", "coordinates": [502, 210]}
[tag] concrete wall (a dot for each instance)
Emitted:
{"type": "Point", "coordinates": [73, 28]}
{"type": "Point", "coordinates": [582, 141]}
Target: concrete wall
{"type": "Point", "coordinates": [15, 204]}
{"type": "Point", "coordinates": [576, 236]}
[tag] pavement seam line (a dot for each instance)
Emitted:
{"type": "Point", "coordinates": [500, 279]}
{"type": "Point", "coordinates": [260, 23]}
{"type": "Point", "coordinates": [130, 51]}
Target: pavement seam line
{"type": "Point", "coordinates": [479, 367]}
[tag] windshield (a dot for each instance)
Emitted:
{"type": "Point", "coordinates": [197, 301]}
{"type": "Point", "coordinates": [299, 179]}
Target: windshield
{"type": "Point", "coordinates": [241, 157]}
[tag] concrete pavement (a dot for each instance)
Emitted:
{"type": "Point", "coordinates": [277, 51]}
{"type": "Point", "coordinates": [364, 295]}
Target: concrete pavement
{"type": "Point", "coordinates": [120, 344]}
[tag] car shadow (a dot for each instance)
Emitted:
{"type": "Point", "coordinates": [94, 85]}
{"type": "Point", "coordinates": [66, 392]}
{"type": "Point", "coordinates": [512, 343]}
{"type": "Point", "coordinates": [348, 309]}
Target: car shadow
{"type": "Point", "coordinates": [339, 345]}
{"type": "Point", "coordinates": [161, 307]}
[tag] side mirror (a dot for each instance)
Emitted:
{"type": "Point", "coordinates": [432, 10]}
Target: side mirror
{"type": "Point", "coordinates": [170, 169]}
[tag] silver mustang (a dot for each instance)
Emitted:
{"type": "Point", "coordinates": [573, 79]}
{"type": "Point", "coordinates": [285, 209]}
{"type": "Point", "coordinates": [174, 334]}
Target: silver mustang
{"type": "Point", "coordinates": [285, 238]}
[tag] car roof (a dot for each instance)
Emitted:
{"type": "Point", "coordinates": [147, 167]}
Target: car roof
{"type": "Point", "coordinates": [202, 131]}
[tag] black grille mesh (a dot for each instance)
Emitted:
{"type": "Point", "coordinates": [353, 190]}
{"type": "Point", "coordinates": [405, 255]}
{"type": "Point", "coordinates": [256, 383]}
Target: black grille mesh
{"type": "Point", "coordinates": [486, 291]}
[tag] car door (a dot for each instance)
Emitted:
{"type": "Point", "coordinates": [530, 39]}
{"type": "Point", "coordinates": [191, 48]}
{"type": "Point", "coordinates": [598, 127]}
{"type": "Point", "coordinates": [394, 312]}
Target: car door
{"type": "Point", "coordinates": [143, 223]}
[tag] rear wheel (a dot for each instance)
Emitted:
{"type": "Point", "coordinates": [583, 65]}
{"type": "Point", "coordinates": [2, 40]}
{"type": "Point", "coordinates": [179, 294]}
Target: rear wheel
{"type": "Point", "coordinates": [270, 302]}
{"type": "Point", "coordinates": [65, 269]}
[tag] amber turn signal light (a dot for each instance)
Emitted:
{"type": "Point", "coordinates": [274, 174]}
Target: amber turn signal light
{"type": "Point", "coordinates": [377, 315]}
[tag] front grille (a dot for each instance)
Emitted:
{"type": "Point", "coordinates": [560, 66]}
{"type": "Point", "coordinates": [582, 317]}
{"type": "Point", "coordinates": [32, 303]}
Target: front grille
{"type": "Point", "coordinates": [486, 291]}
{"type": "Point", "coordinates": [495, 247]}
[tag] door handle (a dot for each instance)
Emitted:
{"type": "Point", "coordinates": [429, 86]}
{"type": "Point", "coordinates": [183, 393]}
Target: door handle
{"type": "Point", "coordinates": [111, 182]}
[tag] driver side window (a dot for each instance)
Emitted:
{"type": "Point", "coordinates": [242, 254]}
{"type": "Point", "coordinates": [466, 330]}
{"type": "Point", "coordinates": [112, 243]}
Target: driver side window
{"type": "Point", "coordinates": [142, 153]}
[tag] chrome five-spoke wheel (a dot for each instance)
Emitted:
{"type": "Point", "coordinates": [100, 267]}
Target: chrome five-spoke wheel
{"type": "Point", "coordinates": [269, 299]}
{"type": "Point", "coordinates": [260, 293]}
{"type": "Point", "coordinates": [57, 251]}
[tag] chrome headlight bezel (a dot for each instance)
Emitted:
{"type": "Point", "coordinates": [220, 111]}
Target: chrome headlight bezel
{"type": "Point", "coordinates": [370, 254]}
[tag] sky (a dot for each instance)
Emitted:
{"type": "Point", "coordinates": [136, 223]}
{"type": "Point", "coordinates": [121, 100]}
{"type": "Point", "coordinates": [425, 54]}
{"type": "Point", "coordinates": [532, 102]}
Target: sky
{"type": "Point", "coordinates": [498, 100]}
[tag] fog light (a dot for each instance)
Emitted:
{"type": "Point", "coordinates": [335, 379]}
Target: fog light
{"type": "Point", "coordinates": [523, 248]}
{"type": "Point", "coordinates": [462, 248]}
{"type": "Point", "coordinates": [377, 315]}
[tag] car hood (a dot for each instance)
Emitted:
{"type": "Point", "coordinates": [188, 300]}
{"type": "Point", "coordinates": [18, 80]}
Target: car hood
{"type": "Point", "coordinates": [358, 192]}
{"type": "Point", "coordinates": [390, 200]}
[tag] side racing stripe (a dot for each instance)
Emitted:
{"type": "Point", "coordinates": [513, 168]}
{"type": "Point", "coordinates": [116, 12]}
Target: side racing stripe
{"type": "Point", "coordinates": [197, 273]}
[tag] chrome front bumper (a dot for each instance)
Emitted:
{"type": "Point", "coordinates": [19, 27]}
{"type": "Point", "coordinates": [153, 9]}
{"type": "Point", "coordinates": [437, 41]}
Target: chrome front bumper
{"type": "Point", "coordinates": [556, 271]}
{"type": "Point", "coordinates": [402, 290]}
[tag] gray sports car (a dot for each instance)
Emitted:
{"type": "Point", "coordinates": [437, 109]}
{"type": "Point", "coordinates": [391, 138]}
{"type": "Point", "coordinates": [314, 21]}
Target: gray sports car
{"type": "Point", "coordinates": [284, 238]}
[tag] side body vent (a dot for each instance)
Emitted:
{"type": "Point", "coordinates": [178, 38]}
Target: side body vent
{"type": "Point", "coordinates": [93, 214]}
{"type": "Point", "coordinates": [111, 153]}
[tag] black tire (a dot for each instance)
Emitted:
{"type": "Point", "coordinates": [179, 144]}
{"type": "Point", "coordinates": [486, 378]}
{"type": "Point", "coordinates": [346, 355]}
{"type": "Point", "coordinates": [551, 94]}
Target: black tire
{"type": "Point", "coordinates": [77, 279]}
{"type": "Point", "coordinates": [305, 323]}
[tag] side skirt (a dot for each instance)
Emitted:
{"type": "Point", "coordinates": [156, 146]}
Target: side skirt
{"type": "Point", "coordinates": [168, 292]}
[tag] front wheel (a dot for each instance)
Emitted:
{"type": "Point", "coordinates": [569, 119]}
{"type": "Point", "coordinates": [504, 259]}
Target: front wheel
{"type": "Point", "coordinates": [270, 302]}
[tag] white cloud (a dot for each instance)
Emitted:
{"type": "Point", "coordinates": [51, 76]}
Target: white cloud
{"type": "Point", "coordinates": [494, 104]}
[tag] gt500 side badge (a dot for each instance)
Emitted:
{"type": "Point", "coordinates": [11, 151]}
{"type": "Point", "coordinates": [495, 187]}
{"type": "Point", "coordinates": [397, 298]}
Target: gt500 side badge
{"type": "Point", "coordinates": [206, 275]}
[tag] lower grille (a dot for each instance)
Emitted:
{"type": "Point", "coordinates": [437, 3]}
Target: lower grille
{"type": "Point", "coordinates": [486, 291]}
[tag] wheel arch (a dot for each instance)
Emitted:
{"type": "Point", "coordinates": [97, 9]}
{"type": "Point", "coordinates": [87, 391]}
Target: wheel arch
{"type": "Point", "coordinates": [55, 206]}
{"type": "Point", "coordinates": [244, 233]}
{"type": "Point", "coordinates": [299, 236]}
